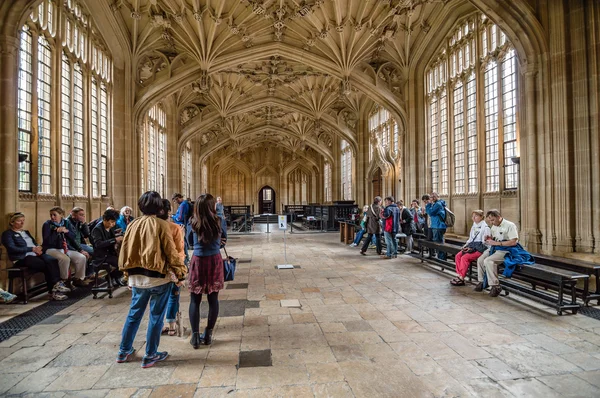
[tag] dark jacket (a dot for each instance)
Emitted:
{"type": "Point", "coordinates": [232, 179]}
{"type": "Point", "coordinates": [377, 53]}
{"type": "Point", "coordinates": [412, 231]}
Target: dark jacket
{"type": "Point", "coordinates": [437, 214]}
{"type": "Point", "coordinates": [54, 240]}
{"type": "Point", "coordinates": [373, 225]}
{"type": "Point", "coordinates": [104, 242]}
{"type": "Point", "coordinates": [407, 222]}
{"type": "Point", "coordinates": [16, 247]}
{"type": "Point", "coordinates": [201, 249]}
{"type": "Point", "coordinates": [80, 231]}
{"type": "Point", "coordinates": [391, 214]}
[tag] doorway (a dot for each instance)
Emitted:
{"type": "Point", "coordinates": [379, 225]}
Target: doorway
{"type": "Point", "coordinates": [377, 182]}
{"type": "Point", "coordinates": [266, 200]}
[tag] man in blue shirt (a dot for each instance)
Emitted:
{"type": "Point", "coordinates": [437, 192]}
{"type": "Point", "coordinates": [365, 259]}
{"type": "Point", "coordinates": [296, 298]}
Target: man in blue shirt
{"type": "Point", "coordinates": [436, 210]}
{"type": "Point", "coordinates": [181, 217]}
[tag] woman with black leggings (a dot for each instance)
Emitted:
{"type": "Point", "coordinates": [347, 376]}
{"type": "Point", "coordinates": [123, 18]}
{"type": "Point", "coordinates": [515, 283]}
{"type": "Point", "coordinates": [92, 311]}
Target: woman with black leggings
{"type": "Point", "coordinates": [206, 268]}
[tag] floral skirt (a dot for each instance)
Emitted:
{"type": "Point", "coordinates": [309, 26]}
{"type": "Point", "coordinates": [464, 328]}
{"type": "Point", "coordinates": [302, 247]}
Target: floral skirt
{"type": "Point", "coordinates": [206, 274]}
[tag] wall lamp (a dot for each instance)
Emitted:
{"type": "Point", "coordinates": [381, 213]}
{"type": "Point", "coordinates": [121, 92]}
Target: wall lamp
{"type": "Point", "coordinates": [515, 159]}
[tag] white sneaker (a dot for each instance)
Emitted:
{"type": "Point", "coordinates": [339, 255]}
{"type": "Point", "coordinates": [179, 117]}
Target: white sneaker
{"type": "Point", "coordinates": [352, 245]}
{"type": "Point", "coordinates": [6, 296]}
{"type": "Point", "coordinates": [407, 252]}
{"type": "Point", "coordinates": [57, 296]}
{"type": "Point", "coordinates": [60, 287]}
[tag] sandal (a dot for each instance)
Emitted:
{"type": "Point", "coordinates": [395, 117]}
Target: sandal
{"type": "Point", "coordinates": [457, 282]}
{"type": "Point", "coordinates": [172, 331]}
{"type": "Point", "coordinates": [165, 330]}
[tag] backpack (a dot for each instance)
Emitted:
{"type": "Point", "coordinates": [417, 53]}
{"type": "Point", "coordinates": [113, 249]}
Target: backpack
{"type": "Point", "coordinates": [450, 218]}
{"type": "Point", "coordinates": [190, 212]}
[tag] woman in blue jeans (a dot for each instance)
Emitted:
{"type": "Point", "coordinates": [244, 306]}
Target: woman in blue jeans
{"type": "Point", "coordinates": [363, 230]}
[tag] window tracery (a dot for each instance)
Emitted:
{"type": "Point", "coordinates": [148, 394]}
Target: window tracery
{"type": "Point", "coordinates": [476, 51]}
{"type": "Point", "coordinates": [346, 162]}
{"type": "Point", "coordinates": [64, 37]}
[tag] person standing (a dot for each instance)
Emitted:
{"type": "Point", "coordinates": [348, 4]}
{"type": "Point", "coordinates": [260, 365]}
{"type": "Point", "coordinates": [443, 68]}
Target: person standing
{"type": "Point", "coordinates": [221, 213]}
{"type": "Point", "coordinates": [206, 267]}
{"type": "Point", "coordinates": [182, 217]}
{"type": "Point", "coordinates": [147, 255]}
{"type": "Point", "coordinates": [391, 220]}
{"type": "Point", "coordinates": [407, 225]}
{"type": "Point", "coordinates": [436, 210]}
{"type": "Point", "coordinates": [174, 294]}
{"type": "Point", "coordinates": [373, 226]}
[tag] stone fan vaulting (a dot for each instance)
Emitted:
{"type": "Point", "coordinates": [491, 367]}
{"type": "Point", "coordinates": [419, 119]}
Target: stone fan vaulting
{"type": "Point", "coordinates": [268, 88]}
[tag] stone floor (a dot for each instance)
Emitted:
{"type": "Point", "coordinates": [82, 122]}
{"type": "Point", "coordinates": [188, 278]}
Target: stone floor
{"type": "Point", "coordinates": [367, 328]}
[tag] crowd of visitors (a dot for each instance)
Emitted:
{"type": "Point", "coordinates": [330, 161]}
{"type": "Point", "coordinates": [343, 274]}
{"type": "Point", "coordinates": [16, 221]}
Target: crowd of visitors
{"type": "Point", "coordinates": [489, 246]}
{"type": "Point", "coordinates": [147, 253]}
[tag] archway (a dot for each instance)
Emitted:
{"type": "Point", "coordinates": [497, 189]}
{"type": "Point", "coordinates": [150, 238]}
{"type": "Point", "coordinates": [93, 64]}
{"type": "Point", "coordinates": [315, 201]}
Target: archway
{"type": "Point", "coordinates": [266, 200]}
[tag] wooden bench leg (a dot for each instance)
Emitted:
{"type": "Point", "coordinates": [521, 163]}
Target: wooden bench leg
{"type": "Point", "coordinates": [24, 282]}
{"type": "Point", "coordinates": [560, 298]}
{"type": "Point", "coordinates": [586, 291]}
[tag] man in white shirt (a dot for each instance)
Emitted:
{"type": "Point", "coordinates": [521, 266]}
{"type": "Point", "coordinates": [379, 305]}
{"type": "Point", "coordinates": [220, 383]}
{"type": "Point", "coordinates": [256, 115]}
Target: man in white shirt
{"type": "Point", "coordinates": [504, 233]}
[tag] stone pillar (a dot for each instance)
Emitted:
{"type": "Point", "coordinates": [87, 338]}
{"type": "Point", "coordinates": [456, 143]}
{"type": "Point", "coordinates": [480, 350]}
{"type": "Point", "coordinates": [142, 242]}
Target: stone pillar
{"type": "Point", "coordinates": [529, 167]}
{"type": "Point", "coordinates": [8, 133]}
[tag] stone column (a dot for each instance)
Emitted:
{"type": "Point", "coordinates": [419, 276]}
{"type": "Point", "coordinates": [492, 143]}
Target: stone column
{"type": "Point", "coordinates": [529, 167]}
{"type": "Point", "coordinates": [8, 133]}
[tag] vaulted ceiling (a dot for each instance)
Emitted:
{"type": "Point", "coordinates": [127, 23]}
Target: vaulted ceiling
{"type": "Point", "coordinates": [286, 71]}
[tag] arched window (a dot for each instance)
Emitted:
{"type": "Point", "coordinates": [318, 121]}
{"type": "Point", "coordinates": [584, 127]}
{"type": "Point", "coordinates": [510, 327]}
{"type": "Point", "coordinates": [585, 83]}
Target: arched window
{"type": "Point", "coordinates": [383, 128]}
{"type": "Point", "coordinates": [186, 170]}
{"type": "Point", "coordinates": [327, 182]}
{"type": "Point", "coordinates": [452, 81]}
{"type": "Point", "coordinates": [154, 144]}
{"type": "Point", "coordinates": [62, 36]}
{"type": "Point", "coordinates": [346, 162]}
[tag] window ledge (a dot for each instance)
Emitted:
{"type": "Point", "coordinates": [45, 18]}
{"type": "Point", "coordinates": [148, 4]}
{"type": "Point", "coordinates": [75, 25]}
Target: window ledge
{"type": "Point", "coordinates": [41, 197]}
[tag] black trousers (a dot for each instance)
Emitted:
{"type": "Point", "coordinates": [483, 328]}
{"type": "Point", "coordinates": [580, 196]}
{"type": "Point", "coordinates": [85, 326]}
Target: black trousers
{"type": "Point", "coordinates": [365, 245]}
{"type": "Point", "coordinates": [44, 263]}
{"type": "Point", "coordinates": [114, 263]}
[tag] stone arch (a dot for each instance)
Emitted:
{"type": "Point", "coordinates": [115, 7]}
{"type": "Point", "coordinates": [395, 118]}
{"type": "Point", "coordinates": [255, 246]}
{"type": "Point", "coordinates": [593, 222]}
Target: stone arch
{"type": "Point", "coordinates": [360, 80]}
{"type": "Point", "coordinates": [209, 120]}
{"type": "Point", "coordinates": [309, 190]}
{"type": "Point", "coordinates": [231, 187]}
{"type": "Point", "coordinates": [259, 129]}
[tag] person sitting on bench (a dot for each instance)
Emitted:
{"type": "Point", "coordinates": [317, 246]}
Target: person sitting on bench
{"type": "Point", "coordinates": [504, 236]}
{"type": "Point", "coordinates": [57, 237]}
{"type": "Point", "coordinates": [473, 249]}
{"type": "Point", "coordinates": [105, 240]}
{"type": "Point", "coordinates": [23, 250]}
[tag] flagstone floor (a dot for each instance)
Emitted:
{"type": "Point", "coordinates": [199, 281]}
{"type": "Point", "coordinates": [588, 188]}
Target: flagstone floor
{"type": "Point", "coordinates": [366, 328]}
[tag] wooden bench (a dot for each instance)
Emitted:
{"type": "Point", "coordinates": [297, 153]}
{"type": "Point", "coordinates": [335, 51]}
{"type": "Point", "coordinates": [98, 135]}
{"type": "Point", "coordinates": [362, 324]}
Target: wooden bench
{"type": "Point", "coordinates": [536, 275]}
{"type": "Point", "coordinates": [24, 274]}
{"type": "Point", "coordinates": [583, 267]}
{"type": "Point", "coordinates": [549, 277]}
{"type": "Point", "coordinates": [577, 266]}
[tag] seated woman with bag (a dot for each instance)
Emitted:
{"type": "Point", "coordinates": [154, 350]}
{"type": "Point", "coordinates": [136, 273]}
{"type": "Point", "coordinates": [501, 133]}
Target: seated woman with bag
{"type": "Point", "coordinates": [24, 251]}
{"type": "Point", "coordinates": [474, 247]}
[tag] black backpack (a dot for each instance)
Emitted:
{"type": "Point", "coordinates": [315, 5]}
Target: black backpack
{"type": "Point", "coordinates": [190, 212]}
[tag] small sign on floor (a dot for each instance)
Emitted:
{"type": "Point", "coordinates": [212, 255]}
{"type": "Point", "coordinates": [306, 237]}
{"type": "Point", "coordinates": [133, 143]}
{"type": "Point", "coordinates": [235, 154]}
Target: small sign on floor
{"type": "Point", "coordinates": [285, 266]}
{"type": "Point", "coordinates": [294, 303]}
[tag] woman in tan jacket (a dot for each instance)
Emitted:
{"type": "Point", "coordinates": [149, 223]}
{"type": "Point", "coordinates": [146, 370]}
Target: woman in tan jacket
{"type": "Point", "coordinates": [148, 253]}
